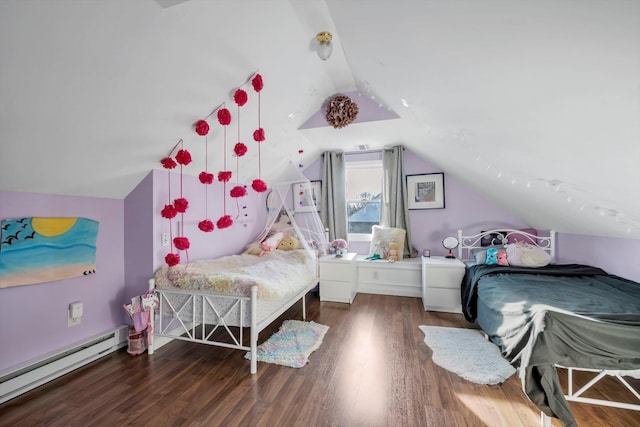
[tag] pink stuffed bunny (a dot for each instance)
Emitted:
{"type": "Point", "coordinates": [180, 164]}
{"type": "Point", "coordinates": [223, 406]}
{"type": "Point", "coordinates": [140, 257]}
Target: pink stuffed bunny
{"type": "Point", "coordinates": [271, 242]}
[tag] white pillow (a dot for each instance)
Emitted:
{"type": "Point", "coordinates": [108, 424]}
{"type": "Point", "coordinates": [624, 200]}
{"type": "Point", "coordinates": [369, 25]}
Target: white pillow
{"type": "Point", "coordinates": [526, 255]}
{"type": "Point", "coordinates": [382, 236]}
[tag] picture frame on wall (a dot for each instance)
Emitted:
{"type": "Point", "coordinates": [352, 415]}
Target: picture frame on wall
{"type": "Point", "coordinates": [426, 191]}
{"type": "Point", "coordinates": [307, 198]}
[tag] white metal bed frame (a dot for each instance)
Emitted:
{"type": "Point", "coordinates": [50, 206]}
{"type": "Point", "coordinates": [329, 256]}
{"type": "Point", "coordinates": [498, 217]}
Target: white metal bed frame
{"type": "Point", "coordinates": [191, 315]}
{"type": "Point", "coordinates": [548, 244]}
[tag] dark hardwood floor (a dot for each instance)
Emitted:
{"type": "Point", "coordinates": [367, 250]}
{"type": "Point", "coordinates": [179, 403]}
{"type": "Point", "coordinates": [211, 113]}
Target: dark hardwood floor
{"type": "Point", "coordinates": [373, 369]}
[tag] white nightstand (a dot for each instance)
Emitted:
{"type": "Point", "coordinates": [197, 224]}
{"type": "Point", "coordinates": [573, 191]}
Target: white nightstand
{"type": "Point", "coordinates": [441, 280]}
{"type": "Point", "coordinates": [338, 278]}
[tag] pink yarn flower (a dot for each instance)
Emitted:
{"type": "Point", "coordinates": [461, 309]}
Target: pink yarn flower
{"type": "Point", "coordinates": [181, 243]}
{"type": "Point", "coordinates": [202, 127]}
{"type": "Point", "coordinates": [257, 83]}
{"type": "Point", "coordinates": [183, 157]}
{"type": "Point", "coordinates": [224, 116]}
{"type": "Point", "coordinates": [240, 97]}
{"type": "Point", "coordinates": [181, 204]}
{"type": "Point", "coordinates": [206, 225]}
{"type": "Point", "coordinates": [224, 222]}
{"type": "Point", "coordinates": [205, 177]}
{"type": "Point", "coordinates": [224, 176]}
{"type": "Point", "coordinates": [238, 191]}
{"type": "Point", "coordinates": [240, 149]}
{"type": "Point", "coordinates": [259, 185]}
{"type": "Point", "coordinates": [258, 135]}
{"type": "Point", "coordinates": [168, 163]}
{"type": "Point", "coordinates": [172, 259]}
{"type": "Point", "coordinates": [168, 212]}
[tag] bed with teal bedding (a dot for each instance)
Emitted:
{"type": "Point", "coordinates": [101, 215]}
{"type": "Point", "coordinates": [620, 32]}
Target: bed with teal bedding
{"type": "Point", "coordinates": [558, 315]}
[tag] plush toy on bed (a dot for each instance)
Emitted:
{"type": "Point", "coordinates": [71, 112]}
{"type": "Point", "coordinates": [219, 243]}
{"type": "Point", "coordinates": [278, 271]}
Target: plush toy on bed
{"type": "Point", "coordinates": [502, 258]}
{"type": "Point", "coordinates": [492, 256]}
{"type": "Point", "coordinates": [289, 243]}
{"type": "Point", "coordinates": [271, 242]}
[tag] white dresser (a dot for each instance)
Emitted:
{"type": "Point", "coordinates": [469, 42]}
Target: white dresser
{"type": "Point", "coordinates": [441, 280]}
{"type": "Point", "coordinates": [338, 278]}
{"type": "Point", "coordinates": [401, 278]}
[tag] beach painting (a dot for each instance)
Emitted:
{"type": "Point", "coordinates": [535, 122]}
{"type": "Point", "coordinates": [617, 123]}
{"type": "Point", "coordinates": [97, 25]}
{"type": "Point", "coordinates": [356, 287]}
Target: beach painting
{"type": "Point", "coordinates": [46, 249]}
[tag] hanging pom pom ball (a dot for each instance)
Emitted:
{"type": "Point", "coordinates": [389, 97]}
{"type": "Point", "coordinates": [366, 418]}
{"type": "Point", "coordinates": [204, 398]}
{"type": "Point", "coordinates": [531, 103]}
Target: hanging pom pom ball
{"type": "Point", "coordinates": [224, 116]}
{"type": "Point", "coordinates": [181, 243]}
{"type": "Point", "coordinates": [257, 83]}
{"type": "Point", "coordinates": [181, 204]}
{"type": "Point", "coordinates": [168, 212]}
{"type": "Point", "coordinates": [240, 149]}
{"type": "Point", "coordinates": [183, 157]}
{"type": "Point", "coordinates": [258, 135]}
{"type": "Point", "coordinates": [224, 176]}
{"type": "Point", "coordinates": [202, 127]}
{"type": "Point", "coordinates": [168, 163]}
{"type": "Point", "coordinates": [240, 97]}
{"type": "Point", "coordinates": [206, 226]}
{"type": "Point", "coordinates": [238, 191]}
{"type": "Point", "coordinates": [205, 177]}
{"type": "Point", "coordinates": [172, 259]}
{"type": "Point", "coordinates": [224, 222]}
{"type": "Point", "coordinates": [259, 185]}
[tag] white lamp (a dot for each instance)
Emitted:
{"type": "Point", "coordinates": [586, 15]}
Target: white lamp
{"type": "Point", "coordinates": [325, 47]}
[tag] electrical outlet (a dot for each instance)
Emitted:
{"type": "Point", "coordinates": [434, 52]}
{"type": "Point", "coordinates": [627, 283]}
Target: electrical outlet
{"type": "Point", "coordinates": [75, 314]}
{"type": "Point", "coordinates": [165, 239]}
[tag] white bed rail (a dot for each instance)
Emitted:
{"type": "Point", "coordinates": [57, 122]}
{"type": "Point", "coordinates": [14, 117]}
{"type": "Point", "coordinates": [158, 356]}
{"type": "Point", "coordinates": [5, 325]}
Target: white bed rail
{"type": "Point", "coordinates": [501, 236]}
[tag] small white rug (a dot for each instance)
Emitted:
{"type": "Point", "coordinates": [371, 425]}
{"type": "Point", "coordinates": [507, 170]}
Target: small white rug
{"type": "Point", "coordinates": [467, 353]}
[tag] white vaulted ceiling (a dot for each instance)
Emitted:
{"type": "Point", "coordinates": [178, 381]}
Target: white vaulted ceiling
{"type": "Point", "coordinates": [535, 104]}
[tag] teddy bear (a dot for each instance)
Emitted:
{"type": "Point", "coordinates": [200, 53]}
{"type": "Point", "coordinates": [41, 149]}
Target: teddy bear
{"type": "Point", "coordinates": [502, 258]}
{"type": "Point", "coordinates": [288, 243]}
{"type": "Point", "coordinates": [392, 254]}
{"type": "Point", "coordinates": [492, 256]}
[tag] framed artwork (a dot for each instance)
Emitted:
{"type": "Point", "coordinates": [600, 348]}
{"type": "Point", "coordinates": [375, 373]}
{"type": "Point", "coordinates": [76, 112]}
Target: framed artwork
{"type": "Point", "coordinates": [307, 197]}
{"type": "Point", "coordinates": [426, 191]}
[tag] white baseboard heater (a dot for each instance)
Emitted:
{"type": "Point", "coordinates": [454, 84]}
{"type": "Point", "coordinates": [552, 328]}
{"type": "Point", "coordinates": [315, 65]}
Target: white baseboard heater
{"type": "Point", "coordinates": [19, 380]}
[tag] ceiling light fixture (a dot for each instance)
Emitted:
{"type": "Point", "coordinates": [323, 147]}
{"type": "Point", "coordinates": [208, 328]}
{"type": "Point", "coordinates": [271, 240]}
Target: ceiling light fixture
{"type": "Point", "coordinates": [325, 47]}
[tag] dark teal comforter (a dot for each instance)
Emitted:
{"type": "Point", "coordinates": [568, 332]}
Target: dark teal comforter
{"type": "Point", "coordinates": [570, 315]}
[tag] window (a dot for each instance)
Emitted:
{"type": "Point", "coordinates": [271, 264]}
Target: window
{"type": "Point", "coordinates": [364, 194]}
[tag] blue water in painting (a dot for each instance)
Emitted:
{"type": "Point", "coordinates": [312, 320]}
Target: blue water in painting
{"type": "Point", "coordinates": [22, 249]}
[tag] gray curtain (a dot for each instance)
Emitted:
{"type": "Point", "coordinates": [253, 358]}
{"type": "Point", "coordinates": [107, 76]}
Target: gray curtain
{"type": "Point", "coordinates": [333, 210]}
{"type": "Point", "coordinates": [394, 212]}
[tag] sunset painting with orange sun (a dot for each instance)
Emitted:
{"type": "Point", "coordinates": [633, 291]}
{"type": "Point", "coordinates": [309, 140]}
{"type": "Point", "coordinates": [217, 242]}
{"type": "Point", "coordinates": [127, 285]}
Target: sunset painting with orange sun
{"type": "Point", "coordinates": [39, 249]}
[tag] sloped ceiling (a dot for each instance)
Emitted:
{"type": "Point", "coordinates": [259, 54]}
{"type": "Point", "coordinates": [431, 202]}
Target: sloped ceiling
{"type": "Point", "coordinates": [536, 104]}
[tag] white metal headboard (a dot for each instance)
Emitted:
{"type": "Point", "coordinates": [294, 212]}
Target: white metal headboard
{"type": "Point", "coordinates": [501, 235]}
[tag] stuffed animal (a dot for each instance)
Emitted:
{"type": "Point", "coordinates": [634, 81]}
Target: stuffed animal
{"type": "Point", "coordinates": [271, 243]}
{"type": "Point", "coordinates": [282, 225]}
{"type": "Point", "coordinates": [492, 256]}
{"type": "Point", "coordinates": [502, 258]}
{"type": "Point", "coordinates": [289, 243]}
{"type": "Point", "coordinates": [392, 254]}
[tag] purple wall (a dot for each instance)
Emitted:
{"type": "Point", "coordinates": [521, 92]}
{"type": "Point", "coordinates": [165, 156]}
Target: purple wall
{"type": "Point", "coordinates": [469, 210]}
{"type": "Point", "coordinates": [33, 318]}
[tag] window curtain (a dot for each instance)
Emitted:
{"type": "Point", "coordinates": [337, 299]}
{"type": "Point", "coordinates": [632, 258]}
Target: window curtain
{"type": "Point", "coordinates": [394, 212]}
{"type": "Point", "coordinates": [333, 210]}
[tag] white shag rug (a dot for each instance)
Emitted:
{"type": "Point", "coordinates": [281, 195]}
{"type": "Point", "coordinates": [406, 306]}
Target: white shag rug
{"type": "Point", "coordinates": [467, 353]}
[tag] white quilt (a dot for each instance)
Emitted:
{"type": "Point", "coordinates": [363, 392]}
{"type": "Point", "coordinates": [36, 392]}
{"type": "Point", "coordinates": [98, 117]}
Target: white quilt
{"type": "Point", "coordinates": [277, 274]}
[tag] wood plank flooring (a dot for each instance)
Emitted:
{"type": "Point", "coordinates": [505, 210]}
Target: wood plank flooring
{"type": "Point", "coordinates": [373, 369]}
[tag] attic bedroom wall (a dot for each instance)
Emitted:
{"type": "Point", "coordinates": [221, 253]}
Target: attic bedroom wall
{"type": "Point", "coordinates": [33, 318]}
{"type": "Point", "coordinates": [473, 212]}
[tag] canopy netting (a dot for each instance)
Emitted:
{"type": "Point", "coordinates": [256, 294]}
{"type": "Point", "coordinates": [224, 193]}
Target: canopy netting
{"type": "Point", "coordinates": [292, 198]}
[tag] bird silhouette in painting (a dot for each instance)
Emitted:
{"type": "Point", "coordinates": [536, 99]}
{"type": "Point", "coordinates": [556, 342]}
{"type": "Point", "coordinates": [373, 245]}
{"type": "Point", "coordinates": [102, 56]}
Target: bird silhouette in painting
{"type": "Point", "coordinates": [30, 236]}
{"type": "Point", "coordinates": [22, 220]}
{"type": "Point", "coordinates": [25, 225]}
{"type": "Point", "coordinates": [6, 227]}
{"type": "Point", "coordinates": [9, 240]}
{"type": "Point", "coordinates": [15, 236]}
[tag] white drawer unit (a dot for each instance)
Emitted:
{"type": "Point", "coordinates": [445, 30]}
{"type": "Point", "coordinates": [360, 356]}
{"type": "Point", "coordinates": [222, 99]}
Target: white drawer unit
{"type": "Point", "coordinates": [441, 280]}
{"type": "Point", "coordinates": [338, 278]}
{"type": "Point", "coordinates": [401, 278]}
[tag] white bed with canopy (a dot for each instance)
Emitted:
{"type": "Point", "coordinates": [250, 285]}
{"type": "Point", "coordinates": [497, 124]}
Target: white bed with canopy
{"type": "Point", "coordinates": [213, 301]}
